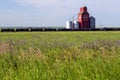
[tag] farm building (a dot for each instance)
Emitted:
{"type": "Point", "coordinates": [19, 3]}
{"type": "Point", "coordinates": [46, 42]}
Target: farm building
{"type": "Point", "coordinates": [85, 21]}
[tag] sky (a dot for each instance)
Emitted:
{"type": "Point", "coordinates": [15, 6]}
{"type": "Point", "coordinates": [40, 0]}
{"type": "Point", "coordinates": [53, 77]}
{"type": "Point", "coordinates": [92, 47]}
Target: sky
{"type": "Point", "coordinates": [21, 13]}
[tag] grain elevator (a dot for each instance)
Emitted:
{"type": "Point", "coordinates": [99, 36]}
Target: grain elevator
{"type": "Point", "coordinates": [83, 18]}
{"type": "Point", "coordinates": [85, 21]}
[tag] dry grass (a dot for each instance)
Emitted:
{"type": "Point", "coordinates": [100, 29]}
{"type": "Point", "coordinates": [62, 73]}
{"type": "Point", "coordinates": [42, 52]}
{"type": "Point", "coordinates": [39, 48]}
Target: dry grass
{"type": "Point", "coordinates": [60, 56]}
{"type": "Point", "coordinates": [4, 47]}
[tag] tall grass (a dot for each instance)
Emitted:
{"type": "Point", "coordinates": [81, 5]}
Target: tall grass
{"type": "Point", "coordinates": [60, 56]}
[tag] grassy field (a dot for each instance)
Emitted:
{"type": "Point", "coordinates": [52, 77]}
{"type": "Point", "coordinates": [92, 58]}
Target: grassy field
{"type": "Point", "coordinates": [60, 56]}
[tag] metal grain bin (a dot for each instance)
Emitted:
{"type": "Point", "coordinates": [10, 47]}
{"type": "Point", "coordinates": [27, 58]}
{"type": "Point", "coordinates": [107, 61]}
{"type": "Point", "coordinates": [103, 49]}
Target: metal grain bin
{"type": "Point", "coordinates": [92, 22]}
{"type": "Point", "coordinates": [69, 25]}
{"type": "Point", "coordinates": [76, 25]}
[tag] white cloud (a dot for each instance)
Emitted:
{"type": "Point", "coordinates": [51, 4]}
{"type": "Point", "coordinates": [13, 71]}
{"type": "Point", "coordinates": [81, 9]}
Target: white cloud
{"type": "Point", "coordinates": [44, 3]}
{"type": "Point", "coordinates": [58, 11]}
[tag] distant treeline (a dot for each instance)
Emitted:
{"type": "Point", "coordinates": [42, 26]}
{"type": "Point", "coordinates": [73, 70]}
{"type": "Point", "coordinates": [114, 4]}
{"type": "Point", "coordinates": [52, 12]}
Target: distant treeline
{"type": "Point", "coordinates": [54, 29]}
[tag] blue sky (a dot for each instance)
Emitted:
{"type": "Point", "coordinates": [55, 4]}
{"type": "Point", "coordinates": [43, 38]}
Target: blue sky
{"type": "Point", "coordinates": [56, 12]}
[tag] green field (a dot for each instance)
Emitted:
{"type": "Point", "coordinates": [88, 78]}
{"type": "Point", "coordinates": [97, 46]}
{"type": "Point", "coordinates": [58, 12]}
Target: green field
{"type": "Point", "coordinates": [60, 55]}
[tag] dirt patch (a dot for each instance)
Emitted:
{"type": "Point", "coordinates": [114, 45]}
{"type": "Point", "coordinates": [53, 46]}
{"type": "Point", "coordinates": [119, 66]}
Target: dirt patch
{"type": "Point", "coordinates": [4, 47]}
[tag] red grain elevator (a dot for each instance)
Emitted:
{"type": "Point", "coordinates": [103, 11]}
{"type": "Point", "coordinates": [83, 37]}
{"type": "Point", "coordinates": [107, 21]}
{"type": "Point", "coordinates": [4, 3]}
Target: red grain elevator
{"type": "Point", "coordinates": [83, 18]}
